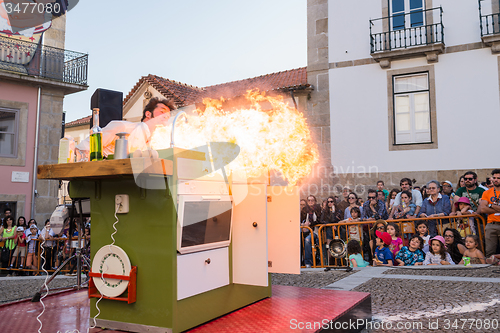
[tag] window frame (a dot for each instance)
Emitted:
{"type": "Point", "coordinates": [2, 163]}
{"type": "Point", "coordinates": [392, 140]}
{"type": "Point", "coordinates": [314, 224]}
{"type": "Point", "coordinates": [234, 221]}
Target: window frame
{"type": "Point", "coordinates": [391, 74]}
{"type": "Point", "coordinates": [22, 132]}
{"type": "Point", "coordinates": [15, 133]}
{"type": "Point", "coordinates": [408, 24]}
{"type": "Point", "coordinates": [412, 112]}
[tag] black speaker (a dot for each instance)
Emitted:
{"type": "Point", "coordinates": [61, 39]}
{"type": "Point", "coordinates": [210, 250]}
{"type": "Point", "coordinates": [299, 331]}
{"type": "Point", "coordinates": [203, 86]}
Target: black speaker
{"type": "Point", "coordinates": [110, 104]}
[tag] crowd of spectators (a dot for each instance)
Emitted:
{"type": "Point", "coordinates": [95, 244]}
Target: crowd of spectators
{"type": "Point", "coordinates": [21, 244]}
{"type": "Point", "coordinates": [435, 240]}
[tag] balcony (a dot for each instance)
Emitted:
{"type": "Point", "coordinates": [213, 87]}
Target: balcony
{"type": "Point", "coordinates": [490, 27]}
{"type": "Point", "coordinates": [407, 35]}
{"type": "Point", "coordinates": [34, 59]}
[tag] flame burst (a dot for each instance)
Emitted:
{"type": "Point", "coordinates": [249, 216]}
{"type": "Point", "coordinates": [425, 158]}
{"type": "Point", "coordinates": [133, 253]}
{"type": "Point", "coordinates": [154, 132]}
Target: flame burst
{"type": "Point", "coordinates": [276, 139]}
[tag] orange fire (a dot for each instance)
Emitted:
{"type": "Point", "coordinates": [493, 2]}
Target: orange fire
{"type": "Point", "coordinates": [271, 136]}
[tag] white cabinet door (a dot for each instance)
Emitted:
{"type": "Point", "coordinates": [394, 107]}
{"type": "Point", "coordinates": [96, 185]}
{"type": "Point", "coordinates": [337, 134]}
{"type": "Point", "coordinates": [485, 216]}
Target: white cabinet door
{"type": "Point", "coordinates": [283, 234]}
{"type": "Point", "coordinates": [202, 271]}
{"type": "Point", "coordinates": [249, 242]}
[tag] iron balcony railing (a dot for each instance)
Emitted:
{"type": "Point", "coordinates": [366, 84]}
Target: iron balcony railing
{"type": "Point", "coordinates": [35, 59]}
{"type": "Point", "coordinates": [419, 27]}
{"type": "Point", "coordinates": [488, 23]}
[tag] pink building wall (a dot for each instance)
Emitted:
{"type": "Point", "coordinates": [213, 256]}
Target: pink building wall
{"type": "Point", "coordinates": [25, 94]}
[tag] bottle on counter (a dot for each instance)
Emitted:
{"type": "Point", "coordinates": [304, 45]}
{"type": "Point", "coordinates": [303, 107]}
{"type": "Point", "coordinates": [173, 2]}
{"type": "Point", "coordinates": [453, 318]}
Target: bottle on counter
{"type": "Point", "coordinates": [95, 138]}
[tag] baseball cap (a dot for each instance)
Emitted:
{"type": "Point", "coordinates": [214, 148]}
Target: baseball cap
{"type": "Point", "coordinates": [447, 182]}
{"type": "Point", "coordinates": [20, 229]}
{"type": "Point", "coordinates": [384, 236]}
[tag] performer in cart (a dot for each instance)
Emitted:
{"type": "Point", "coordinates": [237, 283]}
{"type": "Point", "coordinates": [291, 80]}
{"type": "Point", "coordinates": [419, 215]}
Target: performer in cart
{"type": "Point", "coordinates": [156, 112]}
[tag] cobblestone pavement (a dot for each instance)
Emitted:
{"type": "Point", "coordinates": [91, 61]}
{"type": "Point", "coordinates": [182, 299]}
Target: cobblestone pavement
{"type": "Point", "coordinates": [444, 305]}
{"type": "Point", "coordinates": [14, 289]}
{"type": "Point", "coordinates": [485, 272]}
{"type": "Point", "coordinates": [310, 279]}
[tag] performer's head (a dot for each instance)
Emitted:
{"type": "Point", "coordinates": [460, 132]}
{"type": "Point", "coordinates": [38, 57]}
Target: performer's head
{"type": "Point", "coordinates": [156, 107]}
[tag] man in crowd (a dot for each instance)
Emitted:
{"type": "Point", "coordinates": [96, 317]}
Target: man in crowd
{"type": "Point", "coordinates": [6, 212]}
{"type": "Point", "coordinates": [447, 188]}
{"type": "Point", "coordinates": [374, 209]}
{"type": "Point", "coordinates": [471, 191]}
{"type": "Point", "coordinates": [490, 204]}
{"type": "Point", "coordinates": [416, 196]}
{"type": "Point", "coordinates": [381, 196]}
{"type": "Point", "coordinates": [341, 206]}
{"type": "Point", "coordinates": [380, 187]}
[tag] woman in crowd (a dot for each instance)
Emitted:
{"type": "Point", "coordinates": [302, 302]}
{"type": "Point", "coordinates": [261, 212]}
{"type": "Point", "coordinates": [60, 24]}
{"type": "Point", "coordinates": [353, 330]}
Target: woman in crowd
{"type": "Point", "coordinates": [454, 244]}
{"type": "Point", "coordinates": [330, 215]}
{"type": "Point", "coordinates": [425, 193]}
{"type": "Point", "coordinates": [21, 222]}
{"type": "Point", "coordinates": [353, 202]}
{"type": "Point", "coordinates": [436, 205]}
{"type": "Point", "coordinates": [310, 216]}
{"type": "Point", "coordinates": [46, 235]}
{"type": "Point", "coordinates": [7, 237]}
{"type": "Point", "coordinates": [405, 208]}
{"type": "Point", "coordinates": [461, 182]}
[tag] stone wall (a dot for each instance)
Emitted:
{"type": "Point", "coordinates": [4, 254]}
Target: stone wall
{"type": "Point", "coordinates": [317, 111]}
{"type": "Point", "coordinates": [48, 150]}
{"type": "Point", "coordinates": [56, 35]}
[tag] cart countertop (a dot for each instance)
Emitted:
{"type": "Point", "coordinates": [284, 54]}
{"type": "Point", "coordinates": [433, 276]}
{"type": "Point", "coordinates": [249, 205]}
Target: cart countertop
{"type": "Point", "coordinates": [106, 169]}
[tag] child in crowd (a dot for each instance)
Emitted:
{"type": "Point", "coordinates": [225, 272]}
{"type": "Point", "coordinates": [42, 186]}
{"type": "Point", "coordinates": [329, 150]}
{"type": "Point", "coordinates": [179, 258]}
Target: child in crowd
{"type": "Point", "coordinates": [27, 232]}
{"type": "Point", "coordinates": [475, 255]}
{"type": "Point", "coordinates": [354, 252]}
{"type": "Point", "coordinates": [31, 260]}
{"type": "Point", "coordinates": [20, 250]}
{"type": "Point", "coordinates": [355, 214]}
{"type": "Point", "coordinates": [437, 254]}
{"type": "Point", "coordinates": [383, 256]}
{"type": "Point", "coordinates": [354, 230]}
{"type": "Point", "coordinates": [390, 200]}
{"type": "Point", "coordinates": [396, 242]}
{"type": "Point", "coordinates": [411, 255]}
{"type": "Point", "coordinates": [464, 226]}
{"type": "Point", "coordinates": [379, 225]}
{"type": "Point", "coordinates": [494, 259]}
{"type": "Point", "coordinates": [423, 232]}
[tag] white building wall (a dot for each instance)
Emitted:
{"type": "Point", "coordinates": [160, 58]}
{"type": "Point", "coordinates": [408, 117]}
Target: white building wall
{"type": "Point", "coordinates": [349, 25]}
{"type": "Point", "coordinates": [467, 96]}
{"type": "Point", "coordinates": [461, 20]}
{"type": "Point", "coordinates": [349, 28]}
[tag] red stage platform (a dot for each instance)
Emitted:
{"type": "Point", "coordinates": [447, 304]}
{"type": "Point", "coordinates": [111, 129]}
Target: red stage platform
{"type": "Point", "coordinates": [290, 309]}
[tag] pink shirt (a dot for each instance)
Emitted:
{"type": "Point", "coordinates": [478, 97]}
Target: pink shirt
{"type": "Point", "coordinates": [395, 246]}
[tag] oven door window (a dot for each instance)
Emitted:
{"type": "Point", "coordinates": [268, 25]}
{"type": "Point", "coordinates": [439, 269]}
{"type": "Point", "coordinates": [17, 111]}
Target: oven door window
{"type": "Point", "coordinates": [206, 222]}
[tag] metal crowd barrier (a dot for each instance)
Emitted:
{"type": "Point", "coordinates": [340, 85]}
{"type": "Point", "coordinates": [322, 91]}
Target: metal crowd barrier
{"type": "Point", "coordinates": [406, 226]}
{"type": "Point", "coordinates": [54, 258]}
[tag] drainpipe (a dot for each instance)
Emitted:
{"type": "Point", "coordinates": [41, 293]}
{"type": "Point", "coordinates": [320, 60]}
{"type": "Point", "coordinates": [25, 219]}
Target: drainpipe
{"type": "Point", "coordinates": [35, 157]}
{"type": "Point", "coordinates": [293, 98]}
